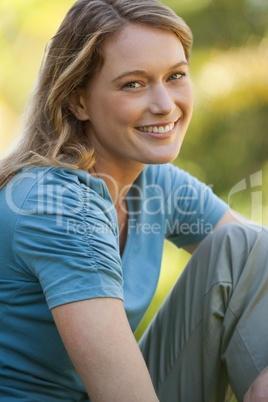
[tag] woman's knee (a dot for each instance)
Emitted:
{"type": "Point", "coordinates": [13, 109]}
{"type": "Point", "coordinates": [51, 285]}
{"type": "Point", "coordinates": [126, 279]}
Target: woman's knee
{"type": "Point", "coordinates": [230, 251]}
{"type": "Point", "coordinates": [241, 237]}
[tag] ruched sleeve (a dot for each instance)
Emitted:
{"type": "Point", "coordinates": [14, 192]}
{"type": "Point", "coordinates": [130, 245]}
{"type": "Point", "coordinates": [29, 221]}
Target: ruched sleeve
{"type": "Point", "coordinates": [66, 236]}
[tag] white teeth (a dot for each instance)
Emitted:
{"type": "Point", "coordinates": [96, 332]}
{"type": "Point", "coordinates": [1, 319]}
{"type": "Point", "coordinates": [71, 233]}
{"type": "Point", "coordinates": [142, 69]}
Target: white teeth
{"type": "Point", "coordinates": [157, 129]}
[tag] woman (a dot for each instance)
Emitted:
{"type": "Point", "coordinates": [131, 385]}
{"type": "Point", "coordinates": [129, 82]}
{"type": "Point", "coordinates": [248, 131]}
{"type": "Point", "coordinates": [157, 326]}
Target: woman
{"type": "Point", "coordinates": [88, 197]}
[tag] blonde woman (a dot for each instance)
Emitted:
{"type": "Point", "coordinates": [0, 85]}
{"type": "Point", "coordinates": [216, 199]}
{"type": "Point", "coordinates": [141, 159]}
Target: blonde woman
{"type": "Point", "coordinates": [87, 198]}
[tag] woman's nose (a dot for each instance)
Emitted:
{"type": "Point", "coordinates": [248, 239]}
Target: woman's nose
{"type": "Point", "coordinates": [161, 101]}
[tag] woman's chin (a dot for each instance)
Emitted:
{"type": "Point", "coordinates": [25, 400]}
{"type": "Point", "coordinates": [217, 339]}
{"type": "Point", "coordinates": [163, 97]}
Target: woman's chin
{"type": "Point", "coordinates": [162, 158]}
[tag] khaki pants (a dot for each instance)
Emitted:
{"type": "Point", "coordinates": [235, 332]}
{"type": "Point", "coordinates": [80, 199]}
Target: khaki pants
{"type": "Point", "coordinates": [213, 327]}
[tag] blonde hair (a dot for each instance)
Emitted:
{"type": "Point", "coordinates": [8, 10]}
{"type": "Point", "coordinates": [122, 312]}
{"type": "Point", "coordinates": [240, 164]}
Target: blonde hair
{"type": "Point", "coordinates": [52, 135]}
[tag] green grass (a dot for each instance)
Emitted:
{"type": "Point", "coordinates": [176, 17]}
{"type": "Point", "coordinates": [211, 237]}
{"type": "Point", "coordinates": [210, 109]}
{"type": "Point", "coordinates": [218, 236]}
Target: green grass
{"type": "Point", "coordinates": [173, 262]}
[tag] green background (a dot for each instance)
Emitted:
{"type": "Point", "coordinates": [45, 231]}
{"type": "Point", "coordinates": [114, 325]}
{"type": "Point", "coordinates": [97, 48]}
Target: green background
{"type": "Point", "coordinates": [227, 142]}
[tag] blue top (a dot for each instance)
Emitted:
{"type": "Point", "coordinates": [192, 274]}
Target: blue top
{"type": "Point", "coordinates": [59, 244]}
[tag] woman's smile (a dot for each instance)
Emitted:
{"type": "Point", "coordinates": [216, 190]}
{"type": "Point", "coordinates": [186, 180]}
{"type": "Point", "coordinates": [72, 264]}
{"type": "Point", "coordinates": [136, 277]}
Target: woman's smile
{"type": "Point", "coordinates": [158, 131]}
{"type": "Point", "coordinates": [139, 105]}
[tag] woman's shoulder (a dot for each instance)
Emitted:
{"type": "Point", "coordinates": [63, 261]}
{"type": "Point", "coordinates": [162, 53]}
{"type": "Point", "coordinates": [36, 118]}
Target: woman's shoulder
{"type": "Point", "coordinates": [59, 178]}
{"type": "Point", "coordinates": [50, 188]}
{"type": "Point", "coordinates": [55, 175]}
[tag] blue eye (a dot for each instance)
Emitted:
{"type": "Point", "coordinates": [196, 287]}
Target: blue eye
{"type": "Point", "coordinates": [176, 76]}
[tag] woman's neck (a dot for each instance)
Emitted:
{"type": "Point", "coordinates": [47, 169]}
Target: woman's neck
{"type": "Point", "coordinates": [118, 179]}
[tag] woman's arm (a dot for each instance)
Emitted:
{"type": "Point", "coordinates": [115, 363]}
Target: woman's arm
{"type": "Point", "coordinates": [229, 216]}
{"type": "Point", "coordinates": [258, 391]}
{"type": "Point", "coordinates": [104, 351]}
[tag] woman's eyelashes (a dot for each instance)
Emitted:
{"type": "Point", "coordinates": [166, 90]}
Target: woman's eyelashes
{"type": "Point", "coordinates": [133, 84]}
{"type": "Point", "coordinates": [177, 76]}
{"type": "Point", "coordinates": [138, 84]}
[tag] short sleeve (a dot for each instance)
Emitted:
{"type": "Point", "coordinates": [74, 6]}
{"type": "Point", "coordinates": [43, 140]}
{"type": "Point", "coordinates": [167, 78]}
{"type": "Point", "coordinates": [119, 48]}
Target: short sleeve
{"type": "Point", "coordinates": [66, 236]}
{"type": "Point", "coordinates": [191, 207]}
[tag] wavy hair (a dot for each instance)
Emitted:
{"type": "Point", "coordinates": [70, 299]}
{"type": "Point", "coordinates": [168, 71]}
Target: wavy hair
{"type": "Point", "coordinates": [51, 134]}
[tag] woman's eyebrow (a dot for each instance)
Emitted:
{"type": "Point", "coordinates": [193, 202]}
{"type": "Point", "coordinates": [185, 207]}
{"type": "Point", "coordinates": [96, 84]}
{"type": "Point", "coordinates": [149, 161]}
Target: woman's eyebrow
{"type": "Point", "coordinates": [181, 63]}
{"type": "Point", "coordinates": [134, 72]}
{"type": "Point", "coordinates": [142, 72]}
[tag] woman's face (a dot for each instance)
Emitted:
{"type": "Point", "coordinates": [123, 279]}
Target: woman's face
{"type": "Point", "coordinates": [140, 102]}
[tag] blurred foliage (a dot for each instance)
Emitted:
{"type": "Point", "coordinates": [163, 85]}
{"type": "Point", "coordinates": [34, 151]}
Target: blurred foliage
{"type": "Point", "coordinates": [230, 77]}
{"type": "Point", "coordinates": [226, 144]}
{"type": "Point", "coordinates": [227, 139]}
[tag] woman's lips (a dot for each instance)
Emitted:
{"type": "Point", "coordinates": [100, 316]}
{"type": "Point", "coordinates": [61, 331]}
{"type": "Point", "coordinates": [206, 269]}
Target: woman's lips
{"type": "Point", "coordinates": [160, 131]}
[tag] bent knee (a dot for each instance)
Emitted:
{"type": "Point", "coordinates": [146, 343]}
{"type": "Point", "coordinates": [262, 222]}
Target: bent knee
{"type": "Point", "coordinates": [238, 235]}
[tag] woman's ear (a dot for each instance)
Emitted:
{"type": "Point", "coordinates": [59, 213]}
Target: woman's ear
{"type": "Point", "coordinates": [77, 105]}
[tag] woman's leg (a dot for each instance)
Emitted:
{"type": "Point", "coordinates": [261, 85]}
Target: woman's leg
{"type": "Point", "coordinates": [213, 327]}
